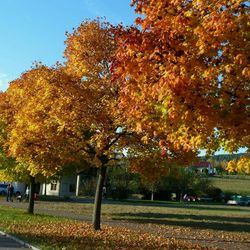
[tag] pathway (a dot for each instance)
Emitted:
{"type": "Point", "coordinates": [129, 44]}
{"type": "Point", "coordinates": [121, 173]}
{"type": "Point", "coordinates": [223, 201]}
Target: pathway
{"type": "Point", "coordinates": [8, 242]}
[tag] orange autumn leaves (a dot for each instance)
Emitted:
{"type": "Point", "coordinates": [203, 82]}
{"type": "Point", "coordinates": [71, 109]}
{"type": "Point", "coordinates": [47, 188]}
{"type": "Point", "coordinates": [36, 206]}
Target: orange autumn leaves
{"type": "Point", "coordinates": [185, 73]}
{"type": "Point", "coordinates": [79, 235]}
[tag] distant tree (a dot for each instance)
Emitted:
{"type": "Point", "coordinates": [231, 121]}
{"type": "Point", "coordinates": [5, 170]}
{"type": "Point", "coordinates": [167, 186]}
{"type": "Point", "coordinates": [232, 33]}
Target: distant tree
{"type": "Point", "coordinates": [242, 165]}
{"type": "Point", "coordinates": [179, 181]}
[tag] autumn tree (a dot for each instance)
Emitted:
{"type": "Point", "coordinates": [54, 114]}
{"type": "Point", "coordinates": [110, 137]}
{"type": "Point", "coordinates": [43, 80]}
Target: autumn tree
{"type": "Point", "coordinates": [59, 115]}
{"type": "Point", "coordinates": [152, 162]}
{"type": "Point", "coordinates": [241, 166]}
{"type": "Point", "coordinates": [185, 73]}
{"type": "Point", "coordinates": [32, 132]}
{"type": "Point", "coordinates": [89, 55]}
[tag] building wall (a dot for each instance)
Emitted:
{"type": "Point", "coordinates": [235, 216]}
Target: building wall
{"type": "Point", "coordinates": [66, 186]}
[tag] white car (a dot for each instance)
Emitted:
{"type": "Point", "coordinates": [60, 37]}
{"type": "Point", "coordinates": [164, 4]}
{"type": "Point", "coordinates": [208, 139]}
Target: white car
{"type": "Point", "coordinates": [232, 202]}
{"type": "Point", "coordinates": [234, 199]}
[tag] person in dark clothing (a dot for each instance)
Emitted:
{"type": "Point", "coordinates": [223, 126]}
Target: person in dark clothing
{"type": "Point", "coordinates": [10, 191]}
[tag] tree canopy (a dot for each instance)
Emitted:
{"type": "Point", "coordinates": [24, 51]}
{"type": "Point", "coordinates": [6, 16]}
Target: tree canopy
{"type": "Point", "coordinates": [185, 73]}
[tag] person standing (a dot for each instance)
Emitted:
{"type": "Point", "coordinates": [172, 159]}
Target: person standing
{"type": "Point", "coordinates": [10, 191]}
{"type": "Point", "coordinates": [27, 193]}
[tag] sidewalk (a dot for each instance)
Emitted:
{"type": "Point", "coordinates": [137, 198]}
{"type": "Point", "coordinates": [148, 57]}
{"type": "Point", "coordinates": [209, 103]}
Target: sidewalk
{"type": "Point", "coordinates": [8, 242]}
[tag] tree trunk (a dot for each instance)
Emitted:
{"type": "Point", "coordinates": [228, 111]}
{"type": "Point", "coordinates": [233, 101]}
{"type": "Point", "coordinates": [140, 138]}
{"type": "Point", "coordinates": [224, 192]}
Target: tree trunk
{"type": "Point", "coordinates": [178, 196]}
{"type": "Point", "coordinates": [32, 195]}
{"type": "Point", "coordinates": [45, 189]}
{"type": "Point", "coordinates": [152, 195]}
{"type": "Point", "coordinates": [78, 180]}
{"type": "Point", "coordinates": [98, 199]}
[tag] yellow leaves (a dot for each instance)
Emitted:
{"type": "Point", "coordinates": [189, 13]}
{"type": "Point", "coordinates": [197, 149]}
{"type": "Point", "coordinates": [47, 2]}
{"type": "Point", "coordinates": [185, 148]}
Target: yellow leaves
{"type": "Point", "coordinates": [241, 59]}
{"type": "Point", "coordinates": [239, 166]}
{"type": "Point", "coordinates": [246, 72]}
{"type": "Point", "coordinates": [145, 139]}
{"type": "Point", "coordinates": [188, 13]}
{"type": "Point", "coordinates": [89, 50]}
{"type": "Point", "coordinates": [229, 69]}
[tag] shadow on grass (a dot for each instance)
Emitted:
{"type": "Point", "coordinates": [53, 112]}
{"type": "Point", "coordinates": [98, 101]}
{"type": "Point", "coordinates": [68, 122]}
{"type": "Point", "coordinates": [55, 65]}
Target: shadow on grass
{"type": "Point", "coordinates": [231, 224]}
{"type": "Point", "coordinates": [181, 205]}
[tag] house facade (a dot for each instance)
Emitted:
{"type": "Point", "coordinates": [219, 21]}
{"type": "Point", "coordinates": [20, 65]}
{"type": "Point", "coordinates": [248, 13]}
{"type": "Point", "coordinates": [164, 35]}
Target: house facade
{"type": "Point", "coordinates": [204, 167]}
{"type": "Point", "coordinates": [65, 186]}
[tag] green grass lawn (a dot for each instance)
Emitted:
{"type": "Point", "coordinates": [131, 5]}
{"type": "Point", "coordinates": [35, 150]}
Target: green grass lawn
{"type": "Point", "coordinates": [233, 184]}
{"type": "Point", "coordinates": [208, 222]}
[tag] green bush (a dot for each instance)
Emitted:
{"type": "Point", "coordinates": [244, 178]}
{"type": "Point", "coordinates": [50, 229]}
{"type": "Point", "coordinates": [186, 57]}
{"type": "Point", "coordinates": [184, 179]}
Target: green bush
{"type": "Point", "coordinates": [215, 193]}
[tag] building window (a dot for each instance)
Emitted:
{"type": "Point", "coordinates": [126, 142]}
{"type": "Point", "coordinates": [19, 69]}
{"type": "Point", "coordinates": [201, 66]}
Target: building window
{"type": "Point", "coordinates": [53, 185]}
{"type": "Point", "coordinates": [72, 188]}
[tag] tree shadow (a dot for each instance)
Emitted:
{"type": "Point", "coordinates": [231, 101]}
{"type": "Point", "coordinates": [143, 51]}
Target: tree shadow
{"type": "Point", "coordinates": [231, 224]}
{"type": "Point", "coordinates": [188, 205]}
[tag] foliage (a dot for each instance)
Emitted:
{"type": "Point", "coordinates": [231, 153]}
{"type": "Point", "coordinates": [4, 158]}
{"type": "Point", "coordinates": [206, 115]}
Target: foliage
{"type": "Point", "coordinates": [119, 182]}
{"type": "Point", "coordinates": [36, 134]}
{"type": "Point", "coordinates": [214, 193]}
{"type": "Point", "coordinates": [180, 181]}
{"type": "Point", "coordinates": [53, 198]}
{"type": "Point", "coordinates": [88, 186]}
{"type": "Point", "coordinates": [242, 165]}
{"type": "Point", "coordinates": [185, 73]}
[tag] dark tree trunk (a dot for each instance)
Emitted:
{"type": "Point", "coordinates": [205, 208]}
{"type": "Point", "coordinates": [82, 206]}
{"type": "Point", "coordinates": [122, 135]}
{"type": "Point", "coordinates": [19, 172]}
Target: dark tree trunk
{"type": "Point", "coordinates": [45, 189]}
{"type": "Point", "coordinates": [178, 196]}
{"type": "Point", "coordinates": [32, 195]}
{"type": "Point", "coordinates": [98, 199]}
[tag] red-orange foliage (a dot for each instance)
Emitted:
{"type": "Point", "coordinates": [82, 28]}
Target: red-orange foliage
{"type": "Point", "coordinates": [185, 72]}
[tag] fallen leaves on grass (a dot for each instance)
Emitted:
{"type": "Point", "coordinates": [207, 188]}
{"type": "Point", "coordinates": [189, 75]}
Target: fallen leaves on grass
{"type": "Point", "coordinates": [70, 234]}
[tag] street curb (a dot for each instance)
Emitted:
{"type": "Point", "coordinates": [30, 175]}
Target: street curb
{"type": "Point", "coordinates": [19, 241]}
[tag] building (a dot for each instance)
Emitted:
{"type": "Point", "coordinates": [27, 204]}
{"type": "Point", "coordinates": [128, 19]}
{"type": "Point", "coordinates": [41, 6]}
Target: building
{"type": "Point", "coordinates": [65, 186]}
{"type": "Point", "coordinates": [204, 167]}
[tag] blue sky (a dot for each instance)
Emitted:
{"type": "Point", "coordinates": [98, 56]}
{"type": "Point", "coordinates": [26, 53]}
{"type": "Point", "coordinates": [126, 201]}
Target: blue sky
{"type": "Point", "coordinates": [34, 30]}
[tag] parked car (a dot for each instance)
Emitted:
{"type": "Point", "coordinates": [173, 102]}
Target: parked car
{"type": "Point", "coordinates": [244, 201]}
{"type": "Point", "coordinates": [234, 200]}
{"type": "Point", "coordinates": [3, 189]}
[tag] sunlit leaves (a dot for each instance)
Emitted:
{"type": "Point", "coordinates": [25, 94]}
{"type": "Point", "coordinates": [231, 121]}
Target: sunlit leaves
{"type": "Point", "coordinates": [185, 72]}
{"type": "Point", "coordinates": [37, 134]}
{"type": "Point", "coordinates": [239, 166]}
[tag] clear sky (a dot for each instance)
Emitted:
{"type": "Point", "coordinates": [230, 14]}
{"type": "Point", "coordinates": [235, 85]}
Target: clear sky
{"type": "Point", "coordinates": [34, 30]}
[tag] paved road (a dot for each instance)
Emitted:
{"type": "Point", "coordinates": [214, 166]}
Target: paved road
{"type": "Point", "coordinates": [9, 243]}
